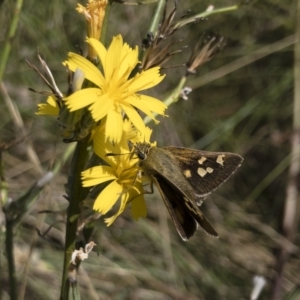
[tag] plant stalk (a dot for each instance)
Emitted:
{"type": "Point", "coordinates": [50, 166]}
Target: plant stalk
{"type": "Point", "coordinates": [291, 205]}
{"type": "Point", "coordinates": [9, 245]}
{"type": "Point", "coordinates": [76, 193]}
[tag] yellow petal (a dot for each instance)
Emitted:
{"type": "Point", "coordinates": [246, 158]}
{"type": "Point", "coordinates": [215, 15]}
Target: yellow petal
{"type": "Point", "coordinates": [82, 98]}
{"type": "Point", "coordinates": [108, 197]}
{"type": "Point", "coordinates": [101, 147]}
{"type": "Point", "coordinates": [91, 72]}
{"type": "Point", "coordinates": [99, 141]}
{"type": "Point", "coordinates": [138, 208]}
{"type": "Point", "coordinates": [153, 104]}
{"type": "Point", "coordinates": [114, 126]}
{"type": "Point", "coordinates": [134, 117]}
{"type": "Point", "coordinates": [99, 48]}
{"type": "Point", "coordinates": [123, 203]}
{"type": "Point", "coordinates": [50, 108]}
{"type": "Point", "coordinates": [128, 61]}
{"type": "Point", "coordinates": [147, 105]}
{"type": "Point", "coordinates": [97, 175]}
{"type": "Point", "coordinates": [145, 80]}
{"type": "Point", "coordinates": [147, 135]}
{"type": "Point", "coordinates": [113, 57]}
{"type": "Point", "coordinates": [101, 107]}
{"type": "Point", "coordinates": [135, 101]}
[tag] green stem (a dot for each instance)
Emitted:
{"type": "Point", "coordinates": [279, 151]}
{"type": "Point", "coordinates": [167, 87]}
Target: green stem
{"type": "Point", "coordinates": [76, 193]}
{"type": "Point", "coordinates": [203, 15]}
{"type": "Point", "coordinates": [174, 96]}
{"type": "Point", "coordinates": [154, 23]}
{"type": "Point", "coordinates": [11, 34]}
{"type": "Point", "coordinates": [157, 15]}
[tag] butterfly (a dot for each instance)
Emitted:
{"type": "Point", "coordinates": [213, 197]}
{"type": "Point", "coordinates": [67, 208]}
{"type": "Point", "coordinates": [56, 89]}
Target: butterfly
{"type": "Point", "coordinates": [184, 178]}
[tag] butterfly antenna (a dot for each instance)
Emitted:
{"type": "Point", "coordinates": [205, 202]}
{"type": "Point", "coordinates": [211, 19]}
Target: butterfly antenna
{"type": "Point", "coordinates": [116, 154]}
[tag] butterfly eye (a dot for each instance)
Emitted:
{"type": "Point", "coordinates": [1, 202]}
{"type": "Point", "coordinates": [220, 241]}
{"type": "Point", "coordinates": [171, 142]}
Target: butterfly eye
{"type": "Point", "coordinates": [141, 155]}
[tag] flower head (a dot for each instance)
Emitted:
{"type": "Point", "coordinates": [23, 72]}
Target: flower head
{"type": "Point", "coordinates": [121, 174]}
{"type": "Point", "coordinates": [94, 13]}
{"type": "Point", "coordinates": [115, 93]}
{"type": "Point", "coordinates": [204, 52]}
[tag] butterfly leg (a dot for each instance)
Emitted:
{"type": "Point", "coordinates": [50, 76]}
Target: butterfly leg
{"type": "Point", "coordinates": [144, 193]}
{"type": "Point", "coordinates": [151, 189]}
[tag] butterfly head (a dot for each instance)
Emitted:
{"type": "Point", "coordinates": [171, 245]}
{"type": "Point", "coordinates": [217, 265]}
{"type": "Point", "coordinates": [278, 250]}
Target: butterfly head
{"type": "Point", "coordinates": [142, 150]}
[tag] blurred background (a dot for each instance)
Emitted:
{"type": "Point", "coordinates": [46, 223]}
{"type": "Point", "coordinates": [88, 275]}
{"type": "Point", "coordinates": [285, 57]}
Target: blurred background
{"type": "Point", "coordinates": [242, 102]}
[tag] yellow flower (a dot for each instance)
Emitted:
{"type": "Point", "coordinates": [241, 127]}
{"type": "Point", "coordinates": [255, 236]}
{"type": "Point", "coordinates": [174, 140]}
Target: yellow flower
{"type": "Point", "coordinates": [94, 13]}
{"type": "Point", "coordinates": [115, 93]}
{"type": "Point", "coordinates": [50, 108]}
{"type": "Point", "coordinates": [121, 174]}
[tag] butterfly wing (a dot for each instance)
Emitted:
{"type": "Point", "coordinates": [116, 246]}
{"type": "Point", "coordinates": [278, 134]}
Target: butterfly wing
{"type": "Point", "coordinates": [204, 170]}
{"type": "Point", "coordinates": [184, 213]}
